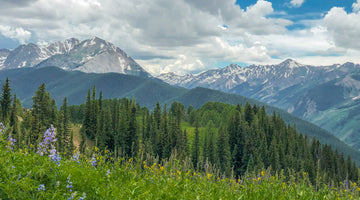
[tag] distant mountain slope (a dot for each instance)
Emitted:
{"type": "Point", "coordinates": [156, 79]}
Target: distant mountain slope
{"type": "Point", "coordinates": [92, 55]}
{"type": "Point", "coordinates": [74, 85]}
{"type": "Point", "coordinates": [325, 95]}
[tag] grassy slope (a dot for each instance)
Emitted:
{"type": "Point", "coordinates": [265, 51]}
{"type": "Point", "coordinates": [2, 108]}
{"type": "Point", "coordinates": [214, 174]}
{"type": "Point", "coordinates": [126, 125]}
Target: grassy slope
{"type": "Point", "coordinates": [22, 173]}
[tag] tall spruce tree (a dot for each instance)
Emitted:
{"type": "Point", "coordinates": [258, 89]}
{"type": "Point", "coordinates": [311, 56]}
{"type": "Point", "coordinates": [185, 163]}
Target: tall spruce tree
{"type": "Point", "coordinates": [85, 130]}
{"type": "Point", "coordinates": [6, 101]}
{"type": "Point", "coordinates": [196, 145]}
{"type": "Point", "coordinates": [14, 122]}
{"type": "Point", "coordinates": [223, 151]}
{"type": "Point", "coordinates": [42, 113]}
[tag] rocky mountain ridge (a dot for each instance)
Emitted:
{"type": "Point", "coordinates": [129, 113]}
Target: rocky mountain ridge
{"type": "Point", "coordinates": [328, 96]}
{"type": "Point", "coordinates": [93, 55]}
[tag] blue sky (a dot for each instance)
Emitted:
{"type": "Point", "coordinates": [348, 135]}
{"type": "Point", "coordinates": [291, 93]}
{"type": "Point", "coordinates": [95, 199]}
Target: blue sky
{"type": "Point", "coordinates": [190, 36]}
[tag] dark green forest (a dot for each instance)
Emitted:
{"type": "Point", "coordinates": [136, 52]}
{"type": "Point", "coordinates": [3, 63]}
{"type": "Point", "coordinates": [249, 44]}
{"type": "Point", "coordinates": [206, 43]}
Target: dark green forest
{"type": "Point", "coordinates": [234, 139]}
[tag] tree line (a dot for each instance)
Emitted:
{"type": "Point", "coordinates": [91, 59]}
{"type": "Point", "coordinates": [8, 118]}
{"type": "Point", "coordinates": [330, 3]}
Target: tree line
{"type": "Point", "coordinates": [234, 139]}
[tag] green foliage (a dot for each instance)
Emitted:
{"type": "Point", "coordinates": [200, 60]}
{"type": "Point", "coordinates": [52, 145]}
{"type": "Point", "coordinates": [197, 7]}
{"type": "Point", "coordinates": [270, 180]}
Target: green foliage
{"type": "Point", "coordinates": [235, 141]}
{"type": "Point", "coordinates": [23, 172]}
{"type": "Point", "coordinates": [148, 92]}
{"type": "Point", "coordinates": [6, 101]}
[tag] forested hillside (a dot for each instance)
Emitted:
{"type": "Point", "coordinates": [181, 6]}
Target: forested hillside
{"type": "Point", "coordinates": [74, 85]}
{"type": "Point", "coordinates": [226, 145]}
{"type": "Point", "coordinates": [233, 139]}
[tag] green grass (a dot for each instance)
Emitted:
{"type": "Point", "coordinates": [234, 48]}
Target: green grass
{"type": "Point", "coordinates": [142, 179]}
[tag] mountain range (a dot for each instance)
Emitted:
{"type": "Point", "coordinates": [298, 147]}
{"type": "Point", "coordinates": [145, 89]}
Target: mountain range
{"type": "Point", "coordinates": [93, 55]}
{"type": "Point", "coordinates": [328, 96]}
{"type": "Point", "coordinates": [147, 92]}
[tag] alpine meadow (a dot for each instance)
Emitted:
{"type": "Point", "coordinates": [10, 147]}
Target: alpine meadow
{"type": "Point", "coordinates": [183, 99]}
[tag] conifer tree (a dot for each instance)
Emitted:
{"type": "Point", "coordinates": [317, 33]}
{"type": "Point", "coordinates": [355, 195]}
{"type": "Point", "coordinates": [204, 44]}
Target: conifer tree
{"type": "Point", "coordinates": [6, 101]}
{"type": "Point", "coordinates": [42, 112]}
{"type": "Point", "coordinates": [196, 146]}
{"type": "Point", "coordinates": [157, 115]}
{"type": "Point", "coordinates": [223, 151]}
{"type": "Point", "coordinates": [185, 148]}
{"type": "Point", "coordinates": [14, 122]}
{"type": "Point", "coordinates": [65, 125]}
{"type": "Point", "coordinates": [100, 116]}
{"type": "Point", "coordinates": [249, 113]}
{"type": "Point", "coordinates": [165, 135]}
{"type": "Point", "coordinates": [85, 131]}
{"type": "Point", "coordinates": [131, 136]}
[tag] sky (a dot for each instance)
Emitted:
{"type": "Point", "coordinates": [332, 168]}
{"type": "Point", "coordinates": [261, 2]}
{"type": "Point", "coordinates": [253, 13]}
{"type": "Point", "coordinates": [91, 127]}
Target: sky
{"type": "Point", "coordinates": [190, 36]}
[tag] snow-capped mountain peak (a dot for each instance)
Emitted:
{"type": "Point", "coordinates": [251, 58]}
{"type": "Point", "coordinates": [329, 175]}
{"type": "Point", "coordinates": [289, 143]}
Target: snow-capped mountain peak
{"type": "Point", "coordinates": [290, 64]}
{"type": "Point", "coordinates": [93, 55]}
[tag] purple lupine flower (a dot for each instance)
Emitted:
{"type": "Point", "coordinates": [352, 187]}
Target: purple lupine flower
{"type": "Point", "coordinates": [48, 145]}
{"type": "Point", "coordinates": [70, 187]}
{"type": "Point", "coordinates": [41, 187]}
{"type": "Point", "coordinates": [83, 197]}
{"type": "Point", "coordinates": [76, 157]}
{"type": "Point", "coordinates": [69, 184]}
{"type": "Point", "coordinates": [93, 161]}
{"type": "Point", "coordinates": [10, 143]}
{"type": "Point", "coordinates": [2, 127]}
{"type": "Point", "coordinates": [108, 172]}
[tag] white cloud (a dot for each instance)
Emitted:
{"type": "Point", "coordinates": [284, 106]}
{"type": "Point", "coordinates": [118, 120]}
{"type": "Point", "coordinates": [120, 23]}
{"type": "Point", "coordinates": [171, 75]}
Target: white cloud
{"type": "Point", "coordinates": [343, 27]}
{"type": "Point", "coordinates": [17, 33]}
{"type": "Point", "coordinates": [183, 35]}
{"type": "Point", "coordinates": [182, 64]}
{"type": "Point", "coordinates": [296, 3]}
{"type": "Point", "coordinates": [356, 6]}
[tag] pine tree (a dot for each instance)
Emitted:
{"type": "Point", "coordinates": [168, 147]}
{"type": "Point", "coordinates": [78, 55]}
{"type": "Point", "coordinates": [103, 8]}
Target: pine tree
{"type": "Point", "coordinates": [93, 114]}
{"type": "Point", "coordinates": [42, 112]}
{"type": "Point", "coordinates": [166, 140]}
{"type": "Point", "coordinates": [100, 124]}
{"type": "Point", "coordinates": [249, 113]}
{"type": "Point", "coordinates": [223, 151]}
{"type": "Point", "coordinates": [196, 146]}
{"type": "Point", "coordinates": [65, 126]}
{"type": "Point", "coordinates": [157, 115]}
{"type": "Point", "coordinates": [185, 147]}
{"type": "Point", "coordinates": [85, 131]}
{"type": "Point", "coordinates": [14, 122]}
{"type": "Point", "coordinates": [131, 141]}
{"type": "Point", "coordinates": [6, 101]}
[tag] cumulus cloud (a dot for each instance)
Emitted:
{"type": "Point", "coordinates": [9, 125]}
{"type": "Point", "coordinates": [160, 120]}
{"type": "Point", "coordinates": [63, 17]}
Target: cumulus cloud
{"type": "Point", "coordinates": [356, 6]}
{"type": "Point", "coordinates": [17, 33]}
{"type": "Point", "coordinates": [184, 35]}
{"type": "Point", "coordinates": [344, 27]}
{"type": "Point", "coordinates": [296, 3]}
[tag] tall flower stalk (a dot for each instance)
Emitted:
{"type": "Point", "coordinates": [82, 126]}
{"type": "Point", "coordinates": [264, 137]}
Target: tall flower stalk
{"type": "Point", "coordinates": [48, 145]}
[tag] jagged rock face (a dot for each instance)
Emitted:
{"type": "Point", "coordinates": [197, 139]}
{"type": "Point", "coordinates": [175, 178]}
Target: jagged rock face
{"type": "Point", "coordinates": [92, 56]}
{"type": "Point", "coordinates": [329, 96]}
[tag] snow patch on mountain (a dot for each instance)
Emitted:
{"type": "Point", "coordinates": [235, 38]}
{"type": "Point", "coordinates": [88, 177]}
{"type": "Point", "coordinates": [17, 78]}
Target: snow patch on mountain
{"type": "Point", "coordinates": [94, 55]}
{"type": "Point", "coordinates": [2, 60]}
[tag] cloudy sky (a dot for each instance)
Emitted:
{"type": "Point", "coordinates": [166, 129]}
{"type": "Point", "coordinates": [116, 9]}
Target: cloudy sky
{"type": "Point", "coordinates": [194, 35]}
